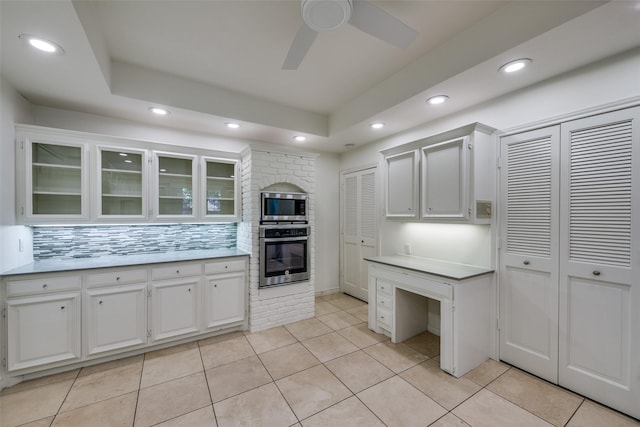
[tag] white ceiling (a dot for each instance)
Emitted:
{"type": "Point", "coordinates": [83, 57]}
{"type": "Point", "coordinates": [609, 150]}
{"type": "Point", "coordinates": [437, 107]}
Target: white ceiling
{"type": "Point", "coordinates": [211, 62]}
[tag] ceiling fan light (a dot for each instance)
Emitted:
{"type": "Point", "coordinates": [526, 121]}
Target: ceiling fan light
{"type": "Point", "coordinates": [325, 15]}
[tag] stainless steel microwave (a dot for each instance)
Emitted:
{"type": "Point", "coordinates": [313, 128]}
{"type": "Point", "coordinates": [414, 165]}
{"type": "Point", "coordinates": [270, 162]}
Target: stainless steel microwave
{"type": "Point", "coordinates": [283, 207]}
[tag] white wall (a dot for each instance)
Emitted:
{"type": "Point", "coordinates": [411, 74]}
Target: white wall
{"type": "Point", "coordinates": [327, 172]}
{"type": "Point", "coordinates": [13, 108]}
{"type": "Point", "coordinates": [609, 81]}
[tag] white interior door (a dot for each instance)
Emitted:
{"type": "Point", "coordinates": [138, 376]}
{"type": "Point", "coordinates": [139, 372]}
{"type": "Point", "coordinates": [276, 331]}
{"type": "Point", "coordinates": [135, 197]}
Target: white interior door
{"type": "Point", "coordinates": [359, 230]}
{"type": "Point", "coordinates": [600, 261]}
{"type": "Point", "coordinates": [529, 180]}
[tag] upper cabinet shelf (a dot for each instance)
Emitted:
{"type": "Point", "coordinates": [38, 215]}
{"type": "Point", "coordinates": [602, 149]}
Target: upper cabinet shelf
{"type": "Point", "coordinates": [72, 177]}
{"type": "Point", "coordinates": [449, 177]}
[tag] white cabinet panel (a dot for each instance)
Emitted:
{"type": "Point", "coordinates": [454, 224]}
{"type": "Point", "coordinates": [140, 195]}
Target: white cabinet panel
{"type": "Point", "coordinates": [224, 298]}
{"type": "Point", "coordinates": [174, 307]}
{"type": "Point", "coordinates": [444, 180]}
{"type": "Point", "coordinates": [402, 185]}
{"type": "Point", "coordinates": [116, 318]}
{"type": "Point", "coordinates": [43, 330]}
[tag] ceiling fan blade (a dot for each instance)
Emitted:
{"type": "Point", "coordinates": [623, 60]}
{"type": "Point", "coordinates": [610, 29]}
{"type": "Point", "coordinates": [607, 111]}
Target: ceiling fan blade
{"type": "Point", "coordinates": [377, 22]}
{"type": "Point", "coordinates": [299, 47]}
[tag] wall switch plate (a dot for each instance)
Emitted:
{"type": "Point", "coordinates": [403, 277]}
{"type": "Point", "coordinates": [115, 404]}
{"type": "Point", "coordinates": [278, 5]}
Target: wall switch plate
{"type": "Point", "coordinates": [483, 209]}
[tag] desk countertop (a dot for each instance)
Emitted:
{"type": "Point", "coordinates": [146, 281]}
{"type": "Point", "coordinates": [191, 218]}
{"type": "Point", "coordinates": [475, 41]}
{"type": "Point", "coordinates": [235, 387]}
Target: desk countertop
{"type": "Point", "coordinates": [449, 270]}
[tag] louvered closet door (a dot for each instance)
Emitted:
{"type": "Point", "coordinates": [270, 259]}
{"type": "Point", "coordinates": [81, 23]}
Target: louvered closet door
{"type": "Point", "coordinates": [529, 180]}
{"type": "Point", "coordinates": [359, 220]}
{"type": "Point", "coordinates": [600, 260]}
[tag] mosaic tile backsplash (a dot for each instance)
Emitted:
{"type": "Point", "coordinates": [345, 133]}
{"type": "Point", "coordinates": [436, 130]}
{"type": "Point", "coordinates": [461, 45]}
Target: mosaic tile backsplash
{"type": "Point", "coordinates": [97, 241]}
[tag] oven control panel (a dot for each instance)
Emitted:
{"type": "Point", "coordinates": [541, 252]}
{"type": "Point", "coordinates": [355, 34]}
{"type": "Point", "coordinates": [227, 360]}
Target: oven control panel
{"type": "Point", "coordinates": [281, 232]}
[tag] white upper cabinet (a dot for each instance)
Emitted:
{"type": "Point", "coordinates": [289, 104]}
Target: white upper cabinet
{"type": "Point", "coordinates": [66, 177]}
{"type": "Point", "coordinates": [220, 189]}
{"type": "Point", "coordinates": [175, 186]}
{"type": "Point", "coordinates": [121, 184]}
{"type": "Point", "coordinates": [54, 180]}
{"type": "Point", "coordinates": [402, 185]}
{"type": "Point", "coordinates": [450, 176]}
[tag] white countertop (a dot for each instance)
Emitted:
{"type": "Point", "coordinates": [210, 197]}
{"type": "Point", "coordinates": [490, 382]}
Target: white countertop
{"type": "Point", "coordinates": [450, 270]}
{"type": "Point", "coordinates": [57, 265]}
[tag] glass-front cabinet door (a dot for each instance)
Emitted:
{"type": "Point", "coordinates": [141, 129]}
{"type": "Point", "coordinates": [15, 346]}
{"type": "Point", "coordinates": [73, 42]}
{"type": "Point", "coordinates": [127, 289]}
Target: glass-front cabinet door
{"type": "Point", "coordinates": [176, 186]}
{"type": "Point", "coordinates": [220, 189]}
{"type": "Point", "coordinates": [56, 181]}
{"type": "Point", "coordinates": [122, 184]}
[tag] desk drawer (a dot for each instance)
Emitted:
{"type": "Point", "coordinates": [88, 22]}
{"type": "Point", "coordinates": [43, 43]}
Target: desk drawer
{"type": "Point", "coordinates": [384, 288]}
{"type": "Point", "coordinates": [384, 318]}
{"type": "Point", "coordinates": [384, 302]}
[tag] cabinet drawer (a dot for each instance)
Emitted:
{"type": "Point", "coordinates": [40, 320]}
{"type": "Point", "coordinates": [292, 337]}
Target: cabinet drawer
{"type": "Point", "coordinates": [384, 318]}
{"type": "Point", "coordinates": [116, 278]}
{"type": "Point", "coordinates": [383, 288]}
{"type": "Point", "coordinates": [42, 285]}
{"type": "Point", "coordinates": [225, 266]}
{"type": "Point", "coordinates": [384, 302]}
{"type": "Point", "coordinates": [175, 271]}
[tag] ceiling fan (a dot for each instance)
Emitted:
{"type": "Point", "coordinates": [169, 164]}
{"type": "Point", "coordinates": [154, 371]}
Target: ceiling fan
{"type": "Point", "coordinates": [325, 15]}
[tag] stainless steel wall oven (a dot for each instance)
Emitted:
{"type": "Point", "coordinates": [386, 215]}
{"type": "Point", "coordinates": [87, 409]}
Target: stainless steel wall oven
{"type": "Point", "coordinates": [284, 254]}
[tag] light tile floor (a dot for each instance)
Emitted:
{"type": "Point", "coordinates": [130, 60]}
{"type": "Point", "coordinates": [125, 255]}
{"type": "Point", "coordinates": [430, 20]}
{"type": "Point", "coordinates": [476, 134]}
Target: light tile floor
{"type": "Point", "coordinates": [330, 370]}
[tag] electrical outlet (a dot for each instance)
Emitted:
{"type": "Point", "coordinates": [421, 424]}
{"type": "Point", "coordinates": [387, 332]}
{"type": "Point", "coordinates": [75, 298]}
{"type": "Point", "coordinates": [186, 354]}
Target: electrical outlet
{"type": "Point", "coordinates": [407, 248]}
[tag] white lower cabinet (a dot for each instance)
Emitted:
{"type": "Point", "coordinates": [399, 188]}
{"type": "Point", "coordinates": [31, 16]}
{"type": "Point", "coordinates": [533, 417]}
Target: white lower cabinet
{"type": "Point", "coordinates": [174, 307]}
{"type": "Point", "coordinates": [116, 318]}
{"type": "Point", "coordinates": [43, 330]}
{"type": "Point", "coordinates": [59, 319]}
{"type": "Point", "coordinates": [224, 293]}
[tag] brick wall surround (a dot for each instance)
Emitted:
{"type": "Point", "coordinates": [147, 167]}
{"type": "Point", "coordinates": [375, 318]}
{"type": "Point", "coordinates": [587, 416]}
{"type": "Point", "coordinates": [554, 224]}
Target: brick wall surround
{"type": "Point", "coordinates": [263, 169]}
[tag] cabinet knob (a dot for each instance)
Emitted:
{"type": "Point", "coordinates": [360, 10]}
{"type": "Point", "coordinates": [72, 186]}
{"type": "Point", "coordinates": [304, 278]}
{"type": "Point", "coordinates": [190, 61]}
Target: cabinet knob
{"type": "Point", "coordinates": [62, 308]}
{"type": "Point", "coordinates": [117, 278]}
{"type": "Point", "coordinates": [408, 209]}
{"type": "Point", "coordinates": [361, 241]}
{"type": "Point", "coordinates": [382, 317]}
{"type": "Point", "coordinates": [189, 289]}
{"type": "Point", "coordinates": [45, 286]}
{"type": "Point", "coordinates": [596, 273]}
{"type": "Point", "coordinates": [226, 267]}
{"type": "Point", "coordinates": [215, 286]}
{"type": "Point", "coordinates": [526, 262]}
{"type": "Point", "coordinates": [177, 271]}
{"type": "Point", "coordinates": [100, 302]}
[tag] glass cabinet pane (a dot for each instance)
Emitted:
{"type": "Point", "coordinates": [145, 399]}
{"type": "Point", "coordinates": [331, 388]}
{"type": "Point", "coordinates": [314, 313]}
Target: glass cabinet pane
{"type": "Point", "coordinates": [56, 179]}
{"type": "Point", "coordinates": [220, 188]}
{"type": "Point", "coordinates": [121, 183]}
{"type": "Point", "coordinates": [175, 186]}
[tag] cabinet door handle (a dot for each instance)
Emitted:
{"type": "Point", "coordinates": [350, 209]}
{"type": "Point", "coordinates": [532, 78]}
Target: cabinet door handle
{"type": "Point", "coordinates": [117, 278]}
{"type": "Point", "coordinates": [596, 273]}
{"type": "Point", "coordinates": [45, 286]}
{"type": "Point", "coordinates": [526, 262]}
{"type": "Point", "coordinates": [62, 308]}
{"type": "Point", "coordinates": [100, 302]}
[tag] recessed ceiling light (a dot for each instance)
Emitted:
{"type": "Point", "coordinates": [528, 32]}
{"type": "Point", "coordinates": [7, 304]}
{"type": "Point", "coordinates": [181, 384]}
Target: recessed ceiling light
{"type": "Point", "coordinates": [232, 125]}
{"type": "Point", "coordinates": [517, 65]}
{"type": "Point", "coordinates": [300, 138]}
{"type": "Point", "coordinates": [159, 111]}
{"type": "Point", "coordinates": [377, 125]}
{"type": "Point", "coordinates": [438, 99]}
{"type": "Point", "coordinates": [41, 44]}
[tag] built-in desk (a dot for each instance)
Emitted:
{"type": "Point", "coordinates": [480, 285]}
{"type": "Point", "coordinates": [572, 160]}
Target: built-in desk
{"type": "Point", "coordinates": [399, 291]}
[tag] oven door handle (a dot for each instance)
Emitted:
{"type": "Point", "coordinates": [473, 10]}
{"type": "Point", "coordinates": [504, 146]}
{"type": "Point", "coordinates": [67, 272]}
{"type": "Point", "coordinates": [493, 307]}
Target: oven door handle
{"type": "Point", "coordinates": [283, 239]}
